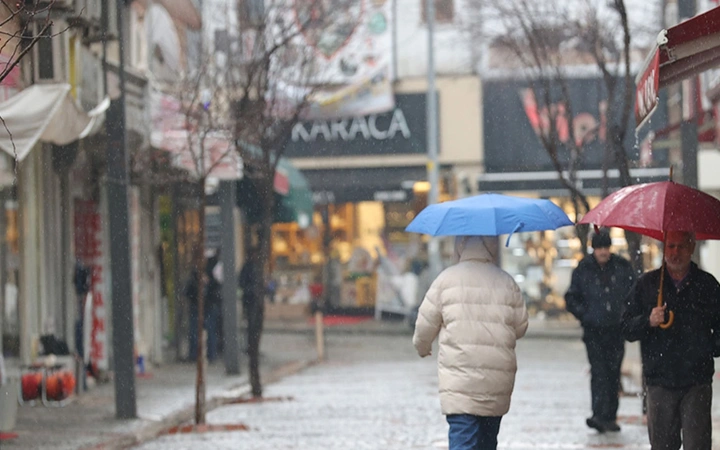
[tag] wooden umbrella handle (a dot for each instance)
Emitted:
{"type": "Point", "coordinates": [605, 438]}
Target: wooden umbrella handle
{"type": "Point", "coordinates": [671, 315]}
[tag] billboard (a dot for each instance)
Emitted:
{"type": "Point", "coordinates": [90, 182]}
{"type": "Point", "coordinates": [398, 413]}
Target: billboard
{"type": "Point", "coordinates": [516, 116]}
{"type": "Point", "coordinates": [352, 44]}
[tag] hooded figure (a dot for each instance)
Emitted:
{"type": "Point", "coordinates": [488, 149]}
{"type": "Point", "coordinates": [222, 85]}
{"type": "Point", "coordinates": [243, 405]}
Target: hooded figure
{"type": "Point", "coordinates": [478, 312]}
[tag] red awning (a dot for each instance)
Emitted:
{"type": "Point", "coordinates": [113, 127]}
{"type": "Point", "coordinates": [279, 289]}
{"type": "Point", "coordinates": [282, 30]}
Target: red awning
{"type": "Point", "coordinates": [682, 51]}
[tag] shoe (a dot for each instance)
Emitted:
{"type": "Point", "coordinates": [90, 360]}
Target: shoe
{"type": "Point", "coordinates": [594, 422]}
{"type": "Point", "coordinates": [611, 426]}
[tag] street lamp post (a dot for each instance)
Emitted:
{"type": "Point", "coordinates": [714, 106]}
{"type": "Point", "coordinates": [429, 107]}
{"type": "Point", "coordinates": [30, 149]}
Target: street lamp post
{"type": "Point", "coordinates": [123, 343]}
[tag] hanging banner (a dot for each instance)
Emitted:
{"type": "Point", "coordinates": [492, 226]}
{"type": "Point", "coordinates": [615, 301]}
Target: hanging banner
{"type": "Point", "coordinates": [352, 66]}
{"type": "Point", "coordinates": [89, 250]}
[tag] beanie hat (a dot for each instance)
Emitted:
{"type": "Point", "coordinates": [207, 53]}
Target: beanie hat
{"type": "Point", "coordinates": [601, 239]}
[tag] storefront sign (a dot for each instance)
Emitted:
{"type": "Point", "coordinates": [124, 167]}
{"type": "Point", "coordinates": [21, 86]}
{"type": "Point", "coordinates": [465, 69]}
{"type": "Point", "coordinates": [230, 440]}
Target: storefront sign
{"type": "Point", "coordinates": [386, 184]}
{"type": "Point", "coordinates": [399, 131]}
{"type": "Point", "coordinates": [89, 249]}
{"type": "Point", "coordinates": [646, 94]}
{"type": "Point", "coordinates": [365, 127]}
{"type": "Point", "coordinates": [518, 117]}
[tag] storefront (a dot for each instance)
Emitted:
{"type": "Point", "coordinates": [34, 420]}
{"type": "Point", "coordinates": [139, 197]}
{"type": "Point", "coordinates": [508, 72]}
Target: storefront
{"type": "Point", "coordinates": [359, 215]}
{"type": "Point", "coordinates": [517, 163]}
{"type": "Point", "coordinates": [361, 208]}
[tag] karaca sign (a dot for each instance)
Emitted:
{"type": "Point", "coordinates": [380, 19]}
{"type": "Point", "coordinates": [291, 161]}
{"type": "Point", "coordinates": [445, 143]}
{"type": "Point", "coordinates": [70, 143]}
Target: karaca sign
{"type": "Point", "coordinates": [399, 131]}
{"type": "Point", "coordinates": [646, 94]}
{"type": "Point", "coordinates": [348, 130]}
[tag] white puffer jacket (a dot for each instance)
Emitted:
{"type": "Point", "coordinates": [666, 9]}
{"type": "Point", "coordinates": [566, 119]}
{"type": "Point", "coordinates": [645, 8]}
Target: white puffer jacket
{"type": "Point", "coordinates": [479, 313]}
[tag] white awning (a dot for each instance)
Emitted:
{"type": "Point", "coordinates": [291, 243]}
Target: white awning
{"type": "Point", "coordinates": [47, 113]}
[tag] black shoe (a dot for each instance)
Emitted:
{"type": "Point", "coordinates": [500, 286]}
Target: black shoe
{"type": "Point", "coordinates": [611, 426]}
{"type": "Point", "coordinates": [594, 422]}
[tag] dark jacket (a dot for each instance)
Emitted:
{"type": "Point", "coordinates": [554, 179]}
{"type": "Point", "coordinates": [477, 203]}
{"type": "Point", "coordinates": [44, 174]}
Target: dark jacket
{"type": "Point", "coordinates": [681, 355]}
{"type": "Point", "coordinates": [192, 288]}
{"type": "Point", "coordinates": [213, 289]}
{"type": "Point", "coordinates": [597, 294]}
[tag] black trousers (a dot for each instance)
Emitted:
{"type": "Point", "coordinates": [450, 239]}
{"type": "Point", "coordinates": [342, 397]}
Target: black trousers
{"type": "Point", "coordinates": [672, 410]}
{"type": "Point", "coordinates": [605, 350]}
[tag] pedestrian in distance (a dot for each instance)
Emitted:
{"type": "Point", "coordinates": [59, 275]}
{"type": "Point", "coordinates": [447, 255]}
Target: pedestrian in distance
{"type": "Point", "coordinates": [598, 289]}
{"type": "Point", "coordinates": [248, 275]}
{"type": "Point", "coordinates": [478, 312]}
{"type": "Point", "coordinates": [677, 357]}
{"type": "Point", "coordinates": [212, 305]}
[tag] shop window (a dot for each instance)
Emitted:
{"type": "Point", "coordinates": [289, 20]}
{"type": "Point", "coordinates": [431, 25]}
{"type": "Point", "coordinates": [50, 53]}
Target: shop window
{"type": "Point", "coordinates": [444, 11]}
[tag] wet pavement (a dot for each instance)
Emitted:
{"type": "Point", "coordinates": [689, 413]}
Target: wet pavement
{"type": "Point", "coordinates": [89, 420]}
{"type": "Point", "coordinates": [374, 393]}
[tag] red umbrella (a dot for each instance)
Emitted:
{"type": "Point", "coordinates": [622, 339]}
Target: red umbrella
{"type": "Point", "coordinates": [653, 209]}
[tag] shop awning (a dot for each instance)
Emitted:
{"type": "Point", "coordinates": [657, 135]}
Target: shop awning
{"type": "Point", "coordinates": [293, 197]}
{"type": "Point", "coordinates": [47, 113]}
{"type": "Point", "coordinates": [297, 204]}
{"type": "Point", "coordinates": [682, 51]}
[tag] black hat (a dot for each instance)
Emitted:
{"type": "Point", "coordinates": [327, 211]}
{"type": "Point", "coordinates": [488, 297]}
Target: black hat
{"type": "Point", "coordinates": [601, 239]}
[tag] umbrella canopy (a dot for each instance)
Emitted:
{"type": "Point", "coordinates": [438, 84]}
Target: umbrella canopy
{"type": "Point", "coordinates": [488, 215]}
{"type": "Point", "coordinates": [652, 209]}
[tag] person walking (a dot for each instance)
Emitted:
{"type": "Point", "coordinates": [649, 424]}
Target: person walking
{"type": "Point", "coordinates": [598, 289]}
{"type": "Point", "coordinates": [677, 360]}
{"type": "Point", "coordinates": [213, 303]}
{"type": "Point", "coordinates": [478, 312]}
{"type": "Point", "coordinates": [192, 293]}
{"type": "Point", "coordinates": [212, 306]}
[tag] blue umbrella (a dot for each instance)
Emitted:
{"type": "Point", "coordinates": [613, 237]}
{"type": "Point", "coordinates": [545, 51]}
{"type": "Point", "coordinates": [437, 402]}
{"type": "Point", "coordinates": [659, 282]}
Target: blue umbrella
{"type": "Point", "coordinates": [489, 215]}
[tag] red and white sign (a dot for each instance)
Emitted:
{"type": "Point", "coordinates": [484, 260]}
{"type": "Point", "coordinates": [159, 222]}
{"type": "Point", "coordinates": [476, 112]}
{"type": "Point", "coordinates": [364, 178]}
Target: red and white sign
{"type": "Point", "coordinates": [89, 249]}
{"type": "Point", "coordinates": [681, 52]}
{"type": "Point", "coordinates": [646, 94]}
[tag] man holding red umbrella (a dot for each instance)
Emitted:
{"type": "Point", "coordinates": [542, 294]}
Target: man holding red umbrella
{"type": "Point", "coordinates": [677, 358]}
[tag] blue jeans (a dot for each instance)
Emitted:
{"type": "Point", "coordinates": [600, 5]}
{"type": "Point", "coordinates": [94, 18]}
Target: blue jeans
{"type": "Point", "coordinates": [468, 432]}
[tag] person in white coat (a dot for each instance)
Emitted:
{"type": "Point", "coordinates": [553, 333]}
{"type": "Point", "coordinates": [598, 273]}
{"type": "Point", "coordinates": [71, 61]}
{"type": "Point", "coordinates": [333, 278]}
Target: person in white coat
{"type": "Point", "coordinates": [478, 312]}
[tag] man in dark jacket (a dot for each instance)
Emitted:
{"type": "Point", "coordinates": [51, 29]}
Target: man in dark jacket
{"type": "Point", "coordinates": [212, 306]}
{"type": "Point", "coordinates": [678, 364]}
{"type": "Point", "coordinates": [599, 286]}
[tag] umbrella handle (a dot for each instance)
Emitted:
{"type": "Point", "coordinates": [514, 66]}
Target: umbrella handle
{"type": "Point", "coordinates": [671, 315]}
{"type": "Point", "coordinates": [671, 318]}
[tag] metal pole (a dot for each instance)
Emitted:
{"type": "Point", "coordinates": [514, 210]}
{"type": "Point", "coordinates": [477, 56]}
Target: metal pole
{"type": "Point", "coordinates": [117, 191]}
{"type": "Point", "coordinates": [432, 132]}
{"type": "Point", "coordinates": [688, 127]}
{"type": "Point", "coordinates": [231, 348]}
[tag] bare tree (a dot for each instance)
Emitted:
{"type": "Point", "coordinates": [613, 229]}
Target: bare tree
{"type": "Point", "coordinates": [270, 81]}
{"type": "Point", "coordinates": [544, 39]}
{"type": "Point", "coordinates": [197, 146]}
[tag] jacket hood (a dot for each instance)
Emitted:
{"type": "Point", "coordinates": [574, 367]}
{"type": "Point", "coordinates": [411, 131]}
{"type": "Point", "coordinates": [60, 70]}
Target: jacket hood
{"type": "Point", "coordinates": [482, 248]}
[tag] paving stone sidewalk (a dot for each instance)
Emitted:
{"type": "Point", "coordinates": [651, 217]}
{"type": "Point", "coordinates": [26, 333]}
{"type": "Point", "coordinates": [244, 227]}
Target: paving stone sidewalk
{"type": "Point", "coordinates": [165, 399]}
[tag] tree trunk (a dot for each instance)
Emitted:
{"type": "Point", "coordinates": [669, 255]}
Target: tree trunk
{"type": "Point", "coordinates": [582, 231]}
{"type": "Point", "coordinates": [257, 314]}
{"type": "Point", "coordinates": [635, 252]}
{"type": "Point", "coordinates": [200, 267]}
